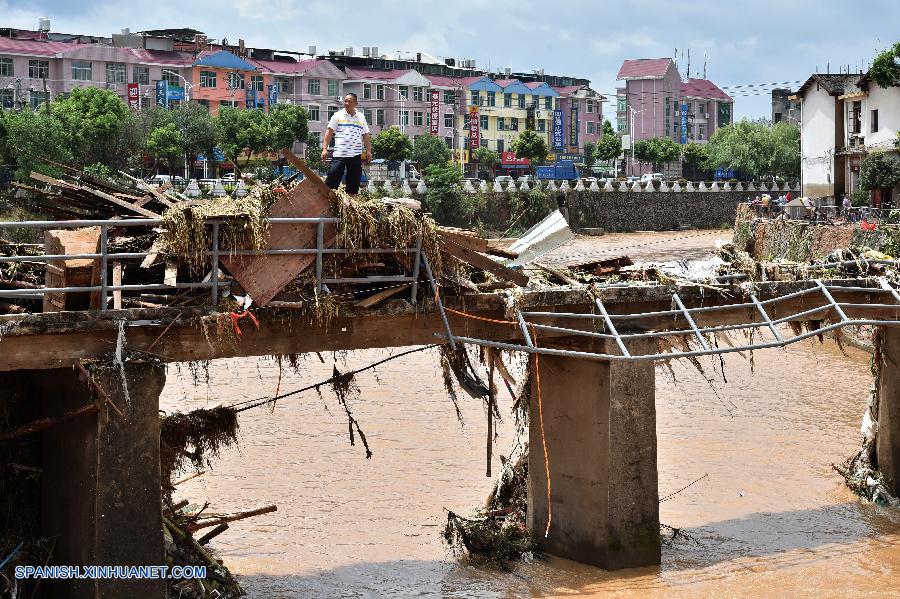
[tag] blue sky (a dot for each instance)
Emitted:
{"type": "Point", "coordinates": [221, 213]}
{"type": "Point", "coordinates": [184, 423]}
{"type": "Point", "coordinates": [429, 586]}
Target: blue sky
{"type": "Point", "coordinates": [747, 43]}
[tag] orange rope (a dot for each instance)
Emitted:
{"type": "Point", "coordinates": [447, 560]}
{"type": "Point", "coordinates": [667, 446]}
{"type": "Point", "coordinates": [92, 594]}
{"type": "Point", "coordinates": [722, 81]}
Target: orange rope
{"type": "Point", "coordinates": [473, 317]}
{"type": "Point", "coordinates": [235, 317]}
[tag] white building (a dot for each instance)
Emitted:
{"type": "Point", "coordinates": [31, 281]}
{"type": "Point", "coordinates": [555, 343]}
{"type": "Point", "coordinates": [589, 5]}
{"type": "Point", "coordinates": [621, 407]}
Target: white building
{"type": "Point", "coordinates": [843, 117]}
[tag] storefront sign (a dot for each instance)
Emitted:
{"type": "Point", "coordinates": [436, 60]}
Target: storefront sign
{"type": "Point", "coordinates": [558, 135]}
{"type": "Point", "coordinates": [684, 117]}
{"type": "Point", "coordinates": [435, 112]}
{"type": "Point", "coordinates": [510, 159]}
{"type": "Point", "coordinates": [162, 93]}
{"type": "Point", "coordinates": [273, 95]}
{"type": "Point", "coordinates": [134, 95]}
{"type": "Point", "coordinates": [474, 131]}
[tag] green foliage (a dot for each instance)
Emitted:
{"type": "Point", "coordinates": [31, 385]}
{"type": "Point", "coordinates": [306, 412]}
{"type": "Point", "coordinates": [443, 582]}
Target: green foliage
{"type": "Point", "coordinates": [695, 155]}
{"type": "Point", "coordinates": [93, 119]}
{"type": "Point", "coordinates": [28, 138]}
{"type": "Point", "coordinates": [529, 208]}
{"type": "Point", "coordinates": [243, 132]}
{"type": "Point", "coordinates": [487, 158]}
{"type": "Point", "coordinates": [610, 145]}
{"type": "Point", "coordinates": [444, 199]}
{"type": "Point", "coordinates": [756, 149]}
{"type": "Point", "coordinates": [532, 146]}
{"type": "Point", "coordinates": [391, 144]}
{"type": "Point", "coordinates": [314, 153]}
{"type": "Point", "coordinates": [656, 151]}
{"type": "Point", "coordinates": [289, 123]}
{"type": "Point", "coordinates": [199, 132]}
{"type": "Point", "coordinates": [165, 143]}
{"type": "Point", "coordinates": [99, 171]}
{"type": "Point", "coordinates": [590, 154]}
{"type": "Point", "coordinates": [884, 71]}
{"type": "Point", "coordinates": [429, 150]}
{"type": "Point", "coordinates": [877, 171]}
{"type": "Point", "coordinates": [860, 197]}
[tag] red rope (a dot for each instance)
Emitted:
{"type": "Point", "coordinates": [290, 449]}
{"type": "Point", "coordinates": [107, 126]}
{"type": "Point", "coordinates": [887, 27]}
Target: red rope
{"type": "Point", "coordinates": [235, 317]}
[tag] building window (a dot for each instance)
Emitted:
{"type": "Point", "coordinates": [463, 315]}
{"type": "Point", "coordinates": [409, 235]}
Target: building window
{"type": "Point", "coordinates": [314, 112]}
{"type": "Point", "coordinates": [855, 117]}
{"type": "Point", "coordinates": [507, 100]}
{"type": "Point", "coordinates": [379, 92]}
{"type": "Point", "coordinates": [38, 98]}
{"type": "Point", "coordinates": [448, 120]}
{"type": "Point", "coordinates": [404, 91]}
{"type": "Point", "coordinates": [141, 75]}
{"type": "Point", "coordinates": [476, 100]}
{"type": "Point", "coordinates": [590, 108]}
{"type": "Point", "coordinates": [6, 67]}
{"type": "Point", "coordinates": [590, 127]}
{"type": "Point", "coordinates": [235, 81]}
{"type": "Point", "coordinates": [418, 118]}
{"type": "Point", "coordinates": [701, 131]}
{"type": "Point", "coordinates": [483, 122]}
{"type": "Point", "coordinates": [207, 78]}
{"type": "Point", "coordinates": [379, 117]}
{"type": "Point", "coordinates": [449, 96]}
{"type": "Point", "coordinates": [81, 70]}
{"type": "Point", "coordinates": [368, 115]}
{"type": "Point", "coordinates": [172, 77]}
{"type": "Point", "coordinates": [334, 88]}
{"type": "Point", "coordinates": [313, 86]}
{"type": "Point", "coordinates": [404, 117]}
{"type": "Point", "coordinates": [548, 103]}
{"type": "Point", "coordinates": [284, 85]}
{"type": "Point", "coordinates": [621, 105]}
{"type": "Point", "coordinates": [115, 72]}
{"type": "Point", "coordinates": [501, 123]}
{"type": "Point", "coordinates": [499, 146]}
{"type": "Point", "coordinates": [418, 95]}
{"type": "Point", "coordinates": [701, 109]}
{"type": "Point", "coordinates": [228, 104]}
{"type": "Point", "coordinates": [40, 69]}
{"type": "Point", "coordinates": [332, 110]}
{"type": "Point", "coordinates": [620, 125]}
{"type": "Point", "coordinates": [514, 124]}
{"type": "Point", "coordinates": [874, 121]}
{"type": "Point", "coordinates": [541, 125]}
{"type": "Point", "coordinates": [492, 98]}
{"type": "Point", "coordinates": [367, 91]}
{"type": "Point", "coordinates": [257, 82]}
{"type": "Point", "coordinates": [7, 98]}
{"type": "Point", "coordinates": [521, 100]}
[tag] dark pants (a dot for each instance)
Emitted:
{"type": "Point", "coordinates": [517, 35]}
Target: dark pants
{"type": "Point", "coordinates": [353, 167]}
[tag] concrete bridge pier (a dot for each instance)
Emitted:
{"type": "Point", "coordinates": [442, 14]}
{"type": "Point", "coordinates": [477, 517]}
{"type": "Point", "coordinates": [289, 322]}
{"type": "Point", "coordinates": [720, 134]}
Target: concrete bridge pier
{"type": "Point", "coordinates": [599, 426]}
{"type": "Point", "coordinates": [887, 444]}
{"type": "Point", "coordinates": [100, 495]}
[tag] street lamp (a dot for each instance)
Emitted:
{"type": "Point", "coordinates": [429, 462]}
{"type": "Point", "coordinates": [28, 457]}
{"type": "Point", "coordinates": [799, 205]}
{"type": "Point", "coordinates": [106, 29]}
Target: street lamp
{"type": "Point", "coordinates": [187, 86]}
{"type": "Point", "coordinates": [633, 112]}
{"type": "Point", "coordinates": [402, 97]}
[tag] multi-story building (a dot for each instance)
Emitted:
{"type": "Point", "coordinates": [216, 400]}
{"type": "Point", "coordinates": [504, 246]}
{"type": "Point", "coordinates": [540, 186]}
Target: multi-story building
{"type": "Point", "coordinates": [843, 117]}
{"type": "Point", "coordinates": [656, 102]}
{"type": "Point", "coordinates": [783, 108]}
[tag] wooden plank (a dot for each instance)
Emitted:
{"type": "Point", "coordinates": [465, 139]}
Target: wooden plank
{"type": "Point", "coordinates": [117, 280]}
{"type": "Point", "coordinates": [484, 263]}
{"type": "Point", "coordinates": [70, 273]}
{"type": "Point", "coordinates": [464, 238]}
{"type": "Point", "coordinates": [374, 300]}
{"type": "Point", "coordinates": [127, 205]}
{"type": "Point", "coordinates": [161, 198]}
{"type": "Point", "coordinates": [262, 277]}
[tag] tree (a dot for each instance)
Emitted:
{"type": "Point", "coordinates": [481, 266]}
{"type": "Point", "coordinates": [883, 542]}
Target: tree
{"type": "Point", "coordinates": [877, 171]}
{"type": "Point", "coordinates": [885, 70]}
{"type": "Point", "coordinates": [93, 119]}
{"type": "Point", "coordinates": [590, 154]}
{"type": "Point", "coordinates": [199, 132]}
{"type": "Point", "coordinates": [532, 146]}
{"type": "Point", "coordinates": [28, 138]}
{"type": "Point", "coordinates": [487, 158]}
{"type": "Point", "coordinates": [695, 156]}
{"type": "Point", "coordinates": [390, 144]}
{"type": "Point", "coordinates": [444, 199]}
{"type": "Point", "coordinates": [755, 149]}
{"type": "Point", "coordinates": [314, 153]}
{"type": "Point", "coordinates": [656, 151]}
{"type": "Point", "coordinates": [610, 145]}
{"type": "Point", "coordinates": [243, 132]}
{"type": "Point", "coordinates": [289, 123]}
{"type": "Point", "coordinates": [429, 150]}
{"type": "Point", "coordinates": [165, 143]}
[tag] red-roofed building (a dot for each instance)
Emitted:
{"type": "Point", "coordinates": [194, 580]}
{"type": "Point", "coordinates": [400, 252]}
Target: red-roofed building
{"type": "Point", "coordinates": [656, 102]}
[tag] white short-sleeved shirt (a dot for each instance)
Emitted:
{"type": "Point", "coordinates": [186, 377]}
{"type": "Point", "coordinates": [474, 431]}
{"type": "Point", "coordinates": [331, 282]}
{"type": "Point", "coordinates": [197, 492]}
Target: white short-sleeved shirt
{"type": "Point", "coordinates": [348, 133]}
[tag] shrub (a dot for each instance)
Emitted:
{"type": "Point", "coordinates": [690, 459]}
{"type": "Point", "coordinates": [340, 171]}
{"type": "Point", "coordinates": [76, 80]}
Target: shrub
{"type": "Point", "coordinates": [682, 182]}
{"type": "Point", "coordinates": [615, 184]}
{"type": "Point", "coordinates": [656, 184]}
{"type": "Point", "coordinates": [860, 197]}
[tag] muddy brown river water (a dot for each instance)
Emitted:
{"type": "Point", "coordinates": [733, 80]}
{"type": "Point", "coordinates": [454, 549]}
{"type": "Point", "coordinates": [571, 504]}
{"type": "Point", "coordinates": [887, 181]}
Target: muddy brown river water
{"type": "Point", "coordinates": [770, 520]}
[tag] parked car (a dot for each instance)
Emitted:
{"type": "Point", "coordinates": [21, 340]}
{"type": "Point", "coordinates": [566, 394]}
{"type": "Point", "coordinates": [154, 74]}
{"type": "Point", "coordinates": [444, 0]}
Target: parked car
{"type": "Point", "coordinates": [503, 179]}
{"type": "Point", "coordinates": [647, 177]}
{"type": "Point", "coordinates": [163, 179]}
{"type": "Point", "coordinates": [587, 181]}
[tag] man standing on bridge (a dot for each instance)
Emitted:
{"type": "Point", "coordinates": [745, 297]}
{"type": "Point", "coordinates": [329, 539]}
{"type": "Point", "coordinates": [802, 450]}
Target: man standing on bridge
{"type": "Point", "coordinates": [350, 131]}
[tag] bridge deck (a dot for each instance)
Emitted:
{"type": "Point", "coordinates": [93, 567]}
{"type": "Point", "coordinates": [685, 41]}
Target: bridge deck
{"type": "Point", "coordinates": [54, 340]}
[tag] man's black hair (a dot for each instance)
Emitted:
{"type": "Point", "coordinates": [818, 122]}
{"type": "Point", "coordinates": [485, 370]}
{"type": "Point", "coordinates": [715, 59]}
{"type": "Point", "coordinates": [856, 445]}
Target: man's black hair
{"type": "Point", "coordinates": [355, 99]}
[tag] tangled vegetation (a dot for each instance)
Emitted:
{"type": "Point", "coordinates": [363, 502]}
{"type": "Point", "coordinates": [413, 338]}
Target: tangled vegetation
{"type": "Point", "coordinates": [193, 439]}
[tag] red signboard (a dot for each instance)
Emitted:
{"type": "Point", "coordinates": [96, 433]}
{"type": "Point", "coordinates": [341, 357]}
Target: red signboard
{"type": "Point", "coordinates": [435, 111]}
{"type": "Point", "coordinates": [510, 158]}
{"type": "Point", "coordinates": [474, 131]}
{"type": "Point", "coordinates": [134, 92]}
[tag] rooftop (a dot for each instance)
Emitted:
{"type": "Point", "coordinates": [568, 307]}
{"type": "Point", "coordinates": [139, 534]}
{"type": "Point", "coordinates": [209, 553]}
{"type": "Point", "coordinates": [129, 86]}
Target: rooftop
{"type": "Point", "coordinates": [703, 88]}
{"type": "Point", "coordinates": [645, 68]}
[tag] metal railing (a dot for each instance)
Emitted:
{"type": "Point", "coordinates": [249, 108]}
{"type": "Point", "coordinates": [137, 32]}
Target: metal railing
{"type": "Point", "coordinates": [213, 253]}
{"type": "Point", "coordinates": [606, 322]}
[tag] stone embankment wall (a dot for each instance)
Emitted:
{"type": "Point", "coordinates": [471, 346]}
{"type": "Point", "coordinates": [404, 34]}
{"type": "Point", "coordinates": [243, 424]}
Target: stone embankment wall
{"type": "Point", "coordinates": [799, 241]}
